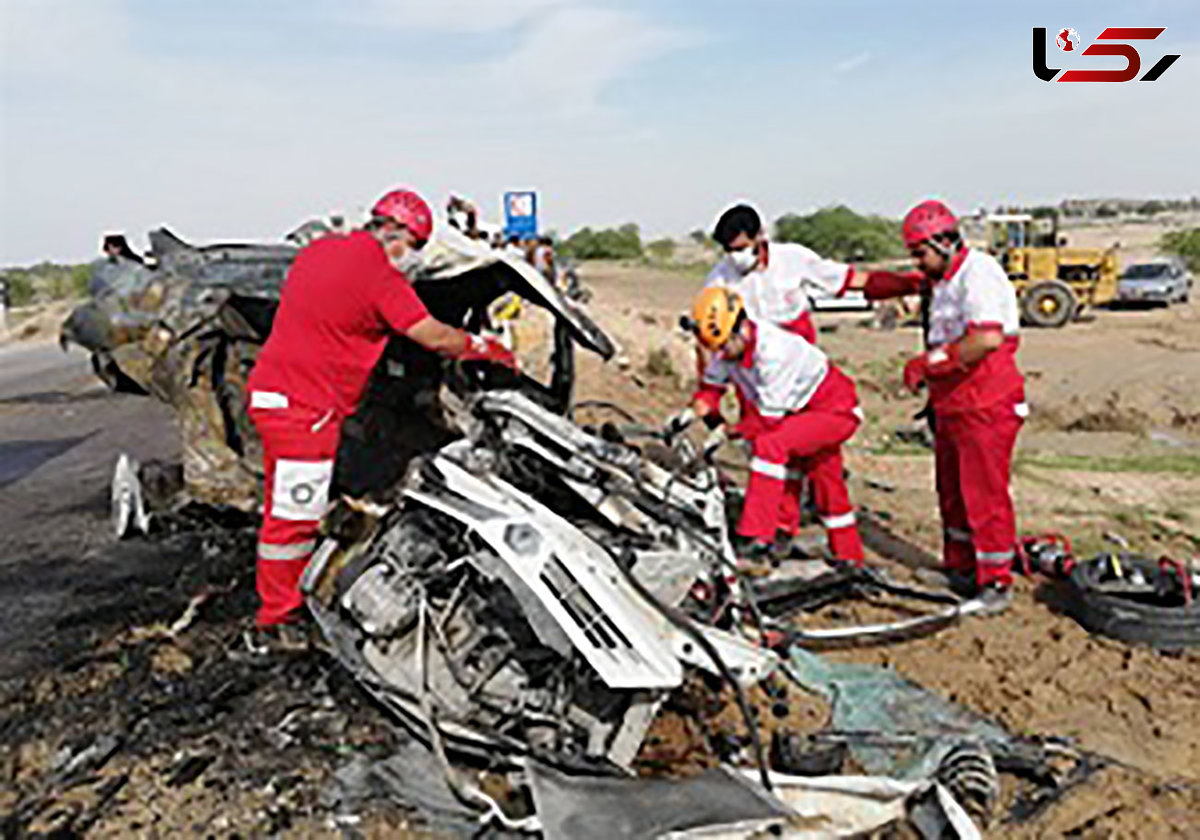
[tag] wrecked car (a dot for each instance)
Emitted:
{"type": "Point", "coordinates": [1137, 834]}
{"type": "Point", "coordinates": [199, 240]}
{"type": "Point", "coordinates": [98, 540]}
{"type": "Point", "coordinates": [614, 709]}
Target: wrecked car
{"type": "Point", "coordinates": [186, 331]}
{"type": "Point", "coordinates": [521, 593]}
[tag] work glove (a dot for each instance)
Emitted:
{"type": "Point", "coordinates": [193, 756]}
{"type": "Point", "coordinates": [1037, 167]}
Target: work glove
{"type": "Point", "coordinates": [715, 440]}
{"type": "Point", "coordinates": [678, 423]}
{"type": "Point", "coordinates": [488, 349]}
{"type": "Point", "coordinates": [938, 362]}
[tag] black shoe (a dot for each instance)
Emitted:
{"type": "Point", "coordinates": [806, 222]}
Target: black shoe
{"type": "Point", "coordinates": [755, 557]}
{"type": "Point", "coordinates": [291, 639]}
{"type": "Point", "coordinates": [961, 583]}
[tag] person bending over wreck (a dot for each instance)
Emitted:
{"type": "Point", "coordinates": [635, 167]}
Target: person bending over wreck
{"type": "Point", "coordinates": [797, 411]}
{"type": "Point", "coordinates": [775, 281]}
{"type": "Point", "coordinates": [976, 392]}
{"type": "Point", "coordinates": [343, 298]}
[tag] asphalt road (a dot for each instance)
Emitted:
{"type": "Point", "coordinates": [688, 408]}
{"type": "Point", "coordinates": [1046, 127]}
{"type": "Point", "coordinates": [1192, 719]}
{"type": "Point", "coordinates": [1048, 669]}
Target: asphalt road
{"type": "Point", "coordinates": [60, 434]}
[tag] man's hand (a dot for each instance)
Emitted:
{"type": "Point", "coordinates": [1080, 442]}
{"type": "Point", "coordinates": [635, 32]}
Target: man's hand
{"type": "Point", "coordinates": [915, 373]}
{"type": "Point", "coordinates": [945, 360]}
{"type": "Point", "coordinates": [487, 349]}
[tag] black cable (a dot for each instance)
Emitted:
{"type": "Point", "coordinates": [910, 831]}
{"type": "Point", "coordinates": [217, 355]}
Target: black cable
{"type": "Point", "coordinates": [685, 625]}
{"type": "Point", "coordinates": [601, 404]}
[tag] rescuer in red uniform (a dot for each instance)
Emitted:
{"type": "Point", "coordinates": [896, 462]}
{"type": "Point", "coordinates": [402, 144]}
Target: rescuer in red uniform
{"type": "Point", "coordinates": [975, 390]}
{"type": "Point", "coordinates": [775, 282]}
{"type": "Point", "coordinates": [343, 298]}
{"type": "Point", "coordinates": [797, 411]}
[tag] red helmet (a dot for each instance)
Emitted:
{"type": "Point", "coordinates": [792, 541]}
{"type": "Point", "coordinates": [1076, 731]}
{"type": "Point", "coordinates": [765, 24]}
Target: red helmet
{"type": "Point", "coordinates": [927, 220]}
{"type": "Point", "coordinates": [407, 208]}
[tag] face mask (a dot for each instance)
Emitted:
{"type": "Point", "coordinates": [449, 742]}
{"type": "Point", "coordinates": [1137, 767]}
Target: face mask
{"type": "Point", "coordinates": [409, 263]}
{"type": "Point", "coordinates": [745, 260]}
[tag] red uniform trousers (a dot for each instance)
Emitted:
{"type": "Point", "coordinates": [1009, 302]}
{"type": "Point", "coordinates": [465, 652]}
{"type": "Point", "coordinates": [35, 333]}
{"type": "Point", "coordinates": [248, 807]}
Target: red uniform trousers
{"type": "Point", "coordinates": [973, 455]}
{"type": "Point", "coordinates": [804, 444]}
{"type": "Point", "coordinates": [299, 447]}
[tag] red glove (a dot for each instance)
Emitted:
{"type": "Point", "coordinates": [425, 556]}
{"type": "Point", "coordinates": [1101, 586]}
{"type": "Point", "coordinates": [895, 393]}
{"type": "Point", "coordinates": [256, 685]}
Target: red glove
{"type": "Point", "coordinates": [938, 362]}
{"type": "Point", "coordinates": [487, 349]}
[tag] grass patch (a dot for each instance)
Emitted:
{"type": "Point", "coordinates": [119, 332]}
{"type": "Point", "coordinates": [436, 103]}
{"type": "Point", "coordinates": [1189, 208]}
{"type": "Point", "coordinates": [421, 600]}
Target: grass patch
{"type": "Point", "coordinates": [902, 449]}
{"type": "Point", "coordinates": [659, 363]}
{"type": "Point", "coordinates": [1177, 464]}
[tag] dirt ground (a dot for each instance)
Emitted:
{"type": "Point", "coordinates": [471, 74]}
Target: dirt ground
{"type": "Point", "coordinates": [212, 745]}
{"type": "Point", "coordinates": [1112, 447]}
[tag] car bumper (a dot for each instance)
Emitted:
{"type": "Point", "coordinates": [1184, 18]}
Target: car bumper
{"type": "Point", "coordinates": [1145, 295]}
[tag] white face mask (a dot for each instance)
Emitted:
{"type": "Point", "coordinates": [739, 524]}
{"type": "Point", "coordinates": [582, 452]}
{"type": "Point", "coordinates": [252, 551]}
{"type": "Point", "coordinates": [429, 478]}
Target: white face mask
{"type": "Point", "coordinates": [745, 260]}
{"type": "Point", "coordinates": [409, 263]}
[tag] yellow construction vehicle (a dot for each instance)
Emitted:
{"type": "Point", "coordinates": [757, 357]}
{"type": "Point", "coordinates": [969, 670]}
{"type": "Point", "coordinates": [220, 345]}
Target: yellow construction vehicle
{"type": "Point", "coordinates": [1054, 281]}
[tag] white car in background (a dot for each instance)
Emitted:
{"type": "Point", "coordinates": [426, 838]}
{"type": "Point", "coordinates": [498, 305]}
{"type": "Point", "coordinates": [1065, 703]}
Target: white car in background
{"type": "Point", "coordinates": [1164, 281]}
{"type": "Point", "coordinates": [853, 301]}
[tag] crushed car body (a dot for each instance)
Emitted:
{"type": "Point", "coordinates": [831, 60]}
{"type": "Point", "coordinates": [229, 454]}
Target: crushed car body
{"type": "Point", "coordinates": [186, 331]}
{"type": "Point", "coordinates": [521, 591]}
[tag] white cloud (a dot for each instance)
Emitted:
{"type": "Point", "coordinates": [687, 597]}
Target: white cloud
{"type": "Point", "coordinates": [448, 15]}
{"type": "Point", "coordinates": [217, 148]}
{"type": "Point", "coordinates": [573, 54]}
{"type": "Point", "coordinates": [852, 63]}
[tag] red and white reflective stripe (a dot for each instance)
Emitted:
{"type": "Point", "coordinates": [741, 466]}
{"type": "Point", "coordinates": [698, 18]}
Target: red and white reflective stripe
{"type": "Point", "coordinates": [320, 424]}
{"type": "Point", "coordinates": [846, 283]}
{"type": "Point", "coordinates": [286, 551]}
{"type": "Point", "coordinates": [958, 535]}
{"type": "Point", "coordinates": [842, 520]}
{"type": "Point", "coordinates": [268, 399]}
{"type": "Point", "coordinates": [759, 465]}
{"type": "Point", "coordinates": [994, 558]}
{"type": "Point", "coordinates": [858, 412]}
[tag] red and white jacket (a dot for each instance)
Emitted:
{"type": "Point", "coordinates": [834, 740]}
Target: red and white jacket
{"type": "Point", "coordinates": [780, 291]}
{"type": "Point", "coordinates": [975, 294]}
{"type": "Point", "coordinates": [780, 374]}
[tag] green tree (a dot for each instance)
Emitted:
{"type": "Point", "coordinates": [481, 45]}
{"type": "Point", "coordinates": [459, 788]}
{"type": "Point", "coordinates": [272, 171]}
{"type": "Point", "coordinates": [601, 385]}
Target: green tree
{"type": "Point", "coordinates": [620, 243]}
{"type": "Point", "coordinates": [20, 289]}
{"type": "Point", "coordinates": [840, 233]}
{"type": "Point", "coordinates": [661, 250]}
{"type": "Point", "coordinates": [1183, 243]}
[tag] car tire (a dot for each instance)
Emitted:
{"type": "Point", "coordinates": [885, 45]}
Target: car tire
{"type": "Point", "coordinates": [1049, 305]}
{"type": "Point", "coordinates": [1127, 619]}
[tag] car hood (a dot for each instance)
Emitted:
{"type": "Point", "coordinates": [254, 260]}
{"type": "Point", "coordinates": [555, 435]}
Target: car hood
{"type": "Point", "coordinates": [450, 255]}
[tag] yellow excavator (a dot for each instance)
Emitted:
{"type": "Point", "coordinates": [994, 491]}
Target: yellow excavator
{"type": "Point", "coordinates": [1055, 282]}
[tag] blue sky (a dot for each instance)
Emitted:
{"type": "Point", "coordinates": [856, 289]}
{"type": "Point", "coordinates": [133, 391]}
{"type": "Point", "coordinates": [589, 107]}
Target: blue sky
{"type": "Point", "coordinates": [237, 120]}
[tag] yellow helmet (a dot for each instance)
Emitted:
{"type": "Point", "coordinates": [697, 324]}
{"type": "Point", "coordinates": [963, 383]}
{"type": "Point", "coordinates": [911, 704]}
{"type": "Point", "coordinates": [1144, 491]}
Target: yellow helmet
{"type": "Point", "coordinates": [715, 314]}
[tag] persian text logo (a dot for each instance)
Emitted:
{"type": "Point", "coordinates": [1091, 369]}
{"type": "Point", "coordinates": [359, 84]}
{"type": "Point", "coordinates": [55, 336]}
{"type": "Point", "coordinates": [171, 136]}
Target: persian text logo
{"type": "Point", "coordinates": [1068, 40]}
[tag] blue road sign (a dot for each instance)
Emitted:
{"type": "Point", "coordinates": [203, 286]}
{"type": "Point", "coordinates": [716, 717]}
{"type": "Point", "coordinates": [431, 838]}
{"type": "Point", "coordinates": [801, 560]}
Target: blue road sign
{"type": "Point", "coordinates": [520, 214]}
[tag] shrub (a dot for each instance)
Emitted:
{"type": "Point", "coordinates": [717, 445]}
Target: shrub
{"type": "Point", "coordinates": [620, 243]}
{"type": "Point", "coordinates": [661, 250]}
{"type": "Point", "coordinates": [840, 233]}
{"type": "Point", "coordinates": [1184, 243]}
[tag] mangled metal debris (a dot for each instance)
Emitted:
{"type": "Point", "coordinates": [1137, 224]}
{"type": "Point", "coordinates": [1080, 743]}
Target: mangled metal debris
{"type": "Point", "coordinates": [186, 332]}
{"type": "Point", "coordinates": [501, 590]}
{"type": "Point", "coordinates": [521, 589]}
